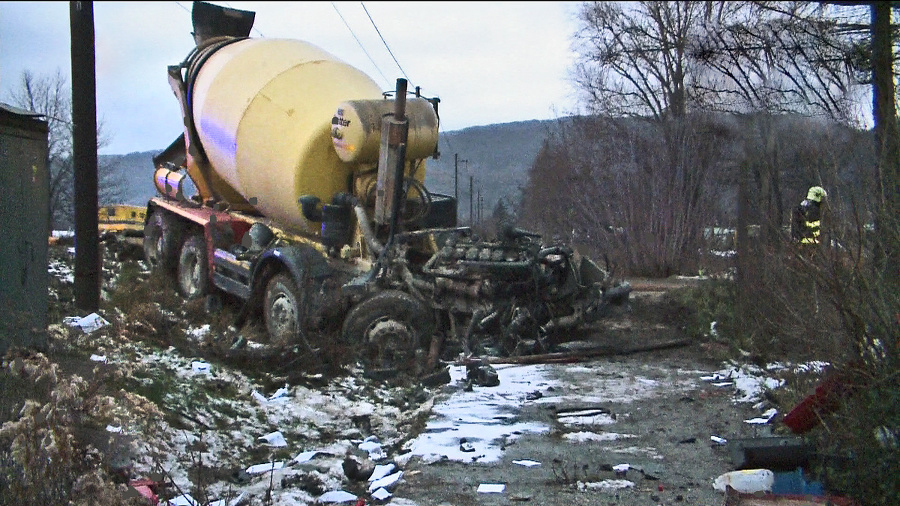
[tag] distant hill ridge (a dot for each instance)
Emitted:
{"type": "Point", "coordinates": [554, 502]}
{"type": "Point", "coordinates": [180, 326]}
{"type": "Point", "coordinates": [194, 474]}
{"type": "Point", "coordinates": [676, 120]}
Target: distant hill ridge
{"type": "Point", "coordinates": [496, 156]}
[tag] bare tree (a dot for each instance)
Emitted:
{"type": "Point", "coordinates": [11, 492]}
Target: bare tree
{"type": "Point", "coordinates": [634, 62]}
{"type": "Point", "coordinates": [606, 185]}
{"type": "Point", "coordinates": [633, 57]}
{"type": "Point", "coordinates": [772, 58]}
{"type": "Point", "coordinates": [661, 61]}
{"type": "Point", "coordinates": [51, 97]}
{"type": "Point", "coordinates": [779, 57]}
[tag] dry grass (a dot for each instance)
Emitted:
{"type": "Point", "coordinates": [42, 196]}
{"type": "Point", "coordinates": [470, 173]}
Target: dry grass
{"type": "Point", "coordinates": [50, 453]}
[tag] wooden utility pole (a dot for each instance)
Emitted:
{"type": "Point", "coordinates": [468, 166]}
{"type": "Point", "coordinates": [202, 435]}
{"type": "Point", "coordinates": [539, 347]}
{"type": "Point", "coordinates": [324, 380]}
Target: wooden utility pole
{"type": "Point", "coordinates": [480, 202]}
{"type": "Point", "coordinates": [84, 153]}
{"type": "Point", "coordinates": [471, 201]}
{"type": "Point", "coordinates": [456, 176]}
{"type": "Point", "coordinates": [456, 161]}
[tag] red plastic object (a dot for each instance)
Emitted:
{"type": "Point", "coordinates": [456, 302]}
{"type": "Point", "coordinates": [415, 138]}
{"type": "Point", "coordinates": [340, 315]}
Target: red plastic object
{"type": "Point", "coordinates": [806, 415]}
{"type": "Point", "coordinates": [146, 489]}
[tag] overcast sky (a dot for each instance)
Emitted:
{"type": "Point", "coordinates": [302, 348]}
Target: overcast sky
{"type": "Point", "coordinates": [489, 62]}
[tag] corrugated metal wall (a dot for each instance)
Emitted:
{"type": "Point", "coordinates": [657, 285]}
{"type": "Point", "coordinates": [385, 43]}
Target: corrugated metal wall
{"type": "Point", "coordinates": [24, 223]}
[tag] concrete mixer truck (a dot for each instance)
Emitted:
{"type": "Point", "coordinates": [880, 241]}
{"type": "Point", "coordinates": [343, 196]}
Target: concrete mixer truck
{"type": "Point", "coordinates": [297, 188]}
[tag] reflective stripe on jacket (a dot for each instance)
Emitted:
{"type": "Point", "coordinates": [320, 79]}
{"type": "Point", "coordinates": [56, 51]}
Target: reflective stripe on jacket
{"type": "Point", "coordinates": [812, 232]}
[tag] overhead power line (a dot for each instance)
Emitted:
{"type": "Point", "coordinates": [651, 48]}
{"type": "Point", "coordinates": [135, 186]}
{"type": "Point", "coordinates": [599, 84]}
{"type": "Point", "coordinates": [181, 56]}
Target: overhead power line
{"type": "Point", "coordinates": [386, 80]}
{"type": "Point", "coordinates": [386, 44]}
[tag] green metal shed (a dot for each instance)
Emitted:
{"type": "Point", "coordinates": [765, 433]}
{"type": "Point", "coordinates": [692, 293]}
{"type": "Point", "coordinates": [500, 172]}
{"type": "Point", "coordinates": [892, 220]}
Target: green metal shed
{"type": "Point", "coordinates": [24, 223]}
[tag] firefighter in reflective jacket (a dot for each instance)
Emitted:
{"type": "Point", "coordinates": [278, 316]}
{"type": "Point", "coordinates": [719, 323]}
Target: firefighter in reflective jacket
{"type": "Point", "coordinates": [806, 225]}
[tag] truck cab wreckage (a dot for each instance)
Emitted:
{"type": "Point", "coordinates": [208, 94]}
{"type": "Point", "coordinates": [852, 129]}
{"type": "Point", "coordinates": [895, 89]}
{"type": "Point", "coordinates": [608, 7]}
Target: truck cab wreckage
{"type": "Point", "coordinates": [311, 209]}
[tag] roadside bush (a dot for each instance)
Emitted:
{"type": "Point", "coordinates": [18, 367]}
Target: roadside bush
{"type": "Point", "coordinates": [712, 303]}
{"type": "Point", "coordinates": [860, 443]}
{"type": "Point", "coordinates": [832, 305]}
{"type": "Point", "coordinates": [44, 460]}
{"type": "Point", "coordinates": [863, 435]}
{"type": "Point", "coordinates": [835, 305]}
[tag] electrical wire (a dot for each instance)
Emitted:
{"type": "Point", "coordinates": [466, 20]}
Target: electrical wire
{"type": "Point", "coordinates": [386, 44]}
{"type": "Point", "coordinates": [446, 139]}
{"type": "Point", "coordinates": [386, 80]}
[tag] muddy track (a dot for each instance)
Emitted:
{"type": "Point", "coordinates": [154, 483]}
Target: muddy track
{"type": "Point", "coordinates": [647, 409]}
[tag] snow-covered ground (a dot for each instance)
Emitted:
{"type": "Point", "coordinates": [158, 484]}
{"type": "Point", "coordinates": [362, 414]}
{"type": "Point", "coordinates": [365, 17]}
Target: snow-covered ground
{"type": "Point", "coordinates": [292, 442]}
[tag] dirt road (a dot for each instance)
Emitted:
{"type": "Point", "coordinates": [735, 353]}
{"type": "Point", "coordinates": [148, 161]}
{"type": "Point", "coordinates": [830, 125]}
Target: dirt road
{"type": "Point", "coordinates": [577, 421]}
{"type": "Point", "coordinates": [553, 434]}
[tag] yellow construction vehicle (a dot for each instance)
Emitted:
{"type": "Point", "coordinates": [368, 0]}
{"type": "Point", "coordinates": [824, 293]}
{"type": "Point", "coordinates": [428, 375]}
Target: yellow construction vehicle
{"type": "Point", "coordinates": [122, 219]}
{"type": "Point", "coordinates": [310, 207]}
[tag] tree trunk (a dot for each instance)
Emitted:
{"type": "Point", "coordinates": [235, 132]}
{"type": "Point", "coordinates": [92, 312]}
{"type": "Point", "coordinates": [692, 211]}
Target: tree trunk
{"type": "Point", "coordinates": [887, 143]}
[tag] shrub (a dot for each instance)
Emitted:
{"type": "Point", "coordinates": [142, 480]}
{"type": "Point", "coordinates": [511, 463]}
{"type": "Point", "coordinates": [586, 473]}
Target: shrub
{"type": "Point", "coordinates": [45, 457]}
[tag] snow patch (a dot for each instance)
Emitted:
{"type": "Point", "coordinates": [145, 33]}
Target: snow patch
{"type": "Point", "coordinates": [583, 437]}
{"type": "Point", "coordinates": [605, 485]}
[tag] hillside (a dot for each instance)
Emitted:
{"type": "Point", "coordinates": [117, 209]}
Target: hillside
{"type": "Point", "coordinates": [498, 155]}
{"type": "Point", "coordinates": [135, 172]}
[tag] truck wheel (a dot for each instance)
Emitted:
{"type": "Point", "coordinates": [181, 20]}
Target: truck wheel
{"type": "Point", "coordinates": [283, 310]}
{"type": "Point", "coordinates": [162, 238]}
{"type": "Point", "coordinates": [389, 326]}
{"type": "Point", "coordinates": [193, 269]}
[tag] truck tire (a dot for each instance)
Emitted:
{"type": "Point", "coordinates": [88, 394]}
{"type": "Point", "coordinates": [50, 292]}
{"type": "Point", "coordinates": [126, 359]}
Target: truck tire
{"type": "Point", "coordinates": [283, 306]}
{"type": "Point", "coordinates": [193, 269]}
{"type": "Point", "coordinates": [389, 327]}
{"type": "Point", "coordinates": [162, 241]}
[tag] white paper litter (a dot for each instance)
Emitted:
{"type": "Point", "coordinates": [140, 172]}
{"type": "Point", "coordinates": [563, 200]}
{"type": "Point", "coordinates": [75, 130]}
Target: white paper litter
{"type": "Point", "coordinates": [200, 367]}
{"type": "Point", "coordinates": [764, 419]}
{"type": "Point", "coordinates": [234, 502]}
{"type": "Point", "coordinates": [718, 440]}
{"type": "Point", "coordinates": [274, 439]}
{"type": "Point", "coordinates": [491, 488]}
{"type": "Point", "coordinates": [336, 496]}
{"type": "Point", "coordinates": [263, 468]}
{"type": "Point", "coordinates": [183, 500]}
{"type": "Point", "coordinates": [386, 482]}
{"type": "Point", "coordinates": [280, 395]}
{"type": "Point", "coordinates": [723, 384]}
{"type": "Point", "coordinates": [746, 481]}
{"type": "Point", "coordinates": [305, 456]}
{"type": "Point", "coordinates": [381, 494]}
{"type": "Point", "coordinates": [111, 428]}
{"type": "Point", "coordinates": [381, 470]}
{"type": "Point", "coordinates": [98, 358]}
{"type": "Point", "coordinates": [526, 463]}
{"type": "Point", "coordinates": [87, 324]}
